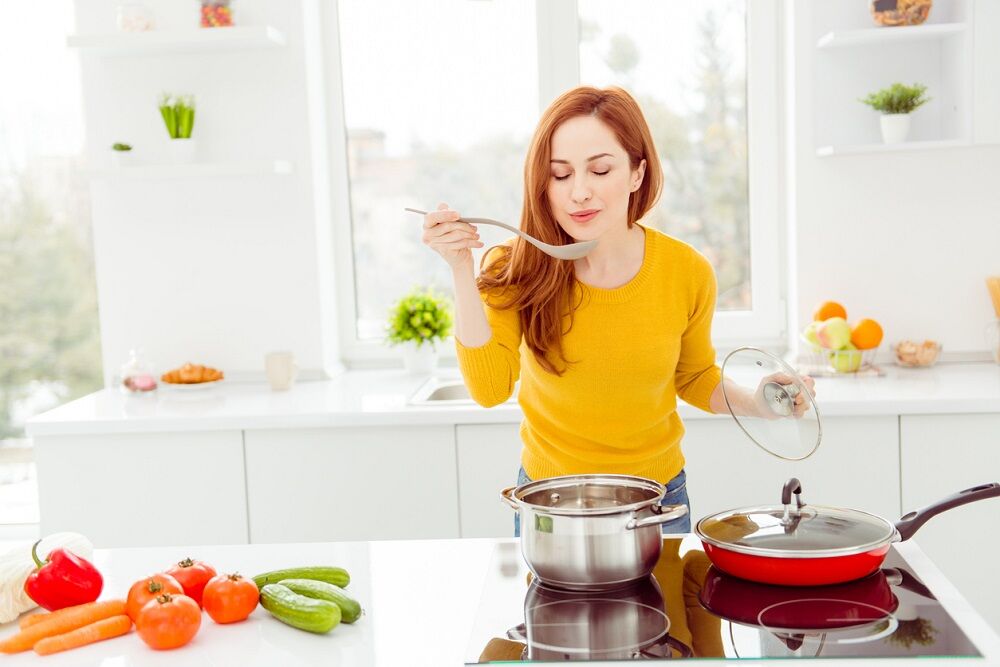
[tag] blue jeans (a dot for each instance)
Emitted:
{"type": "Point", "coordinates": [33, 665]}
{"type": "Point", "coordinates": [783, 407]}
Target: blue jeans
{"type": "Point", "coordinates": [676, 495]}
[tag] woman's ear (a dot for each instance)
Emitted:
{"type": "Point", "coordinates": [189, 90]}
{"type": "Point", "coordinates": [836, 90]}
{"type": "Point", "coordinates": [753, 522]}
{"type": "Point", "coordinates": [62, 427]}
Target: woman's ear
{"type": "Point", "coordinates": [639, 173]}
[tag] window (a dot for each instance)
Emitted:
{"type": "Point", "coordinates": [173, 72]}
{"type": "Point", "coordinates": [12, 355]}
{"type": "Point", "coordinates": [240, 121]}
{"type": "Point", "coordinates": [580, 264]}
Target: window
{"type": "Point", "coordinates": [440, 99]}
{"type": "Point", "coordinates": [49, 338]}
{"type": "Point", "coordinates": [446, 112]}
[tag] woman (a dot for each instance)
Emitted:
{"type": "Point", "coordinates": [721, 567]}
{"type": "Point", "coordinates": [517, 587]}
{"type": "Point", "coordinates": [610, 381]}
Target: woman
{"type": "Point", "coordinates": [605, 344]}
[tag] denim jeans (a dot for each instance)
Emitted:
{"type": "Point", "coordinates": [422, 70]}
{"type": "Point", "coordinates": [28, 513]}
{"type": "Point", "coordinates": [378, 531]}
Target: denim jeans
{"type": "Point", "coordinates": [676, 495]}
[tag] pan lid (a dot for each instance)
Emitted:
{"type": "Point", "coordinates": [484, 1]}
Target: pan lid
{"type": "Point", "coordinates": [794, 529]}
{"type": "Point", "coordinates": [776, 426]}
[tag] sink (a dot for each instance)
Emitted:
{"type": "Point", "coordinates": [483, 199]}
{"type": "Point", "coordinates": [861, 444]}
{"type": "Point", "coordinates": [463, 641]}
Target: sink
{"type": "Point", "coordinates": [447, 391]}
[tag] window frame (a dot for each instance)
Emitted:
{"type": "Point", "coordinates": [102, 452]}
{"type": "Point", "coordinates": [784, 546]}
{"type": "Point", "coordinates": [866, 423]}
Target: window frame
{"type": "Point", "coordinates": [557, 27]}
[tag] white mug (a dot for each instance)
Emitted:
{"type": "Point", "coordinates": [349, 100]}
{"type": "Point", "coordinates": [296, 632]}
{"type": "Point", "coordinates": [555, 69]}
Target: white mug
{"type": "Point", "coordinates": [281, 369]}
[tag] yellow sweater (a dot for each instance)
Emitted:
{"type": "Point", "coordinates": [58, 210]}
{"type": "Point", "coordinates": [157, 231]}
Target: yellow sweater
{"type": "Point", "coordinates": [637, 348]}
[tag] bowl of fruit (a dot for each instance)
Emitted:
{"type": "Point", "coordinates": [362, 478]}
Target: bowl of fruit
{"type": "Point", "coordinates": [833, 343]}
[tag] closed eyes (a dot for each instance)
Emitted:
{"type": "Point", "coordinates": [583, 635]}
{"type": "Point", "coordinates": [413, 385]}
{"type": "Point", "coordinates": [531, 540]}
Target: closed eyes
{"type": "Point", "coordinates": [596, 173]}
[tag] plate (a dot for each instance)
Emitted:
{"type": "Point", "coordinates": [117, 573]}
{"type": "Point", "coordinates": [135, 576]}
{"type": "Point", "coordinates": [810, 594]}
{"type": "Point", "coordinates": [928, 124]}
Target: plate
{"type": "Point", "coordinates": [194, 386]}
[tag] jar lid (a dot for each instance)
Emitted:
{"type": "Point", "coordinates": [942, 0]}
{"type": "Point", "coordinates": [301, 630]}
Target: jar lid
{"type": "Point", "coordinates": [775, 427]}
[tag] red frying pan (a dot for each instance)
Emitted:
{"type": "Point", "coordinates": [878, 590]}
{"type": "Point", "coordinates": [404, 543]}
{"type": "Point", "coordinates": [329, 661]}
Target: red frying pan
{"type": "Point", "coordinates": [812, 545]}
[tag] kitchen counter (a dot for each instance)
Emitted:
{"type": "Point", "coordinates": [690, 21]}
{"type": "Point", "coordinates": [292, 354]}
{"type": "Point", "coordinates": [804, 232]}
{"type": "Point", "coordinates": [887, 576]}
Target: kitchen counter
{"type": "Point", "coordinates": [381, 397]}
{"type": "Point", "coordinates": [421, 600]}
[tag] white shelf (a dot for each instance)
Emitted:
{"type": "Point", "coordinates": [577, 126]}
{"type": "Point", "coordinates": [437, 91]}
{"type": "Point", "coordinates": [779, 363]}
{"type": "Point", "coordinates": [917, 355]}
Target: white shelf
{"type": "Point", "coordinates": [154, 42]}
{"type": "Point", "coordinates": [888, 35]}
{"type": "Point", "coordinates": [828, 151]}
{"type": "Point", "coordinates": [198, 170]}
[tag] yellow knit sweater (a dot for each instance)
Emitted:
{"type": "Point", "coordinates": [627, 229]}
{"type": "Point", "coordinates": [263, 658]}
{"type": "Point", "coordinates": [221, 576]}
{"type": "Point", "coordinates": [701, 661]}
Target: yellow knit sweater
{"type": "Point", "coordinates": [636, 347]}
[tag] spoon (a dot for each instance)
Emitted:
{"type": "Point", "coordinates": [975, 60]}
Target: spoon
{"type": "Point", "coordinates": [568, 251]}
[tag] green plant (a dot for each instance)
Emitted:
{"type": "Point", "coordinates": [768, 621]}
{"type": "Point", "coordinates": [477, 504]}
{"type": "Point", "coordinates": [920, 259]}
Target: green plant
{"type": "Point", "coordinates": [897, 98]}
{"type": "Point", "coordinates": [121, 147]}
{"type": "Point", "coordinates": [420, 316]}
{"type": "Point", "coordinates": [178, 115]}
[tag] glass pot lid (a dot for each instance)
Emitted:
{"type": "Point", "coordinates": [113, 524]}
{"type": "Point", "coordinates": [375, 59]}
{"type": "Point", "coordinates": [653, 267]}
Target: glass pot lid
{"type": "Point", "coordinates": [776, 426]}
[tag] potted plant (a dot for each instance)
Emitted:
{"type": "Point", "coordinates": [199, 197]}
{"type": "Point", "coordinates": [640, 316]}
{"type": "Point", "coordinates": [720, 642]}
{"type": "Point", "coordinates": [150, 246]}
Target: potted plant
{"type": "Point", "coordinates": [120, 154]}
{"type": "Point", "coordinates": [896, 103]}
{"type": "Point", "coordinates": [177, 112]}
{"type": "Point", "coordinates": [416, 321]}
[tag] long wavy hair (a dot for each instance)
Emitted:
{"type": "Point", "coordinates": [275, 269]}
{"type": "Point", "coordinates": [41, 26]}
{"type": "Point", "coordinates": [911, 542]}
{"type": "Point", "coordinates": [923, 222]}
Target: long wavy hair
{"type": "Point", "coordinates": [521, 276]}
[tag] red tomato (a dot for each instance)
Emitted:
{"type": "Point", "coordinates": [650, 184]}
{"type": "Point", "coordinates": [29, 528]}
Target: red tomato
{"type": "Point", "coordinates": [148, 588]}
{"type": "Point", "coordinates": [192, 575]}
{"type": "Point", "coordinates": [168, 621]}
{"type": "Point", "coordinates": [229, 598]}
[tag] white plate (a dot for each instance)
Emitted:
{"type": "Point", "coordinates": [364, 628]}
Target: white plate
{"type": "Point", "coordinates": [197, 386]}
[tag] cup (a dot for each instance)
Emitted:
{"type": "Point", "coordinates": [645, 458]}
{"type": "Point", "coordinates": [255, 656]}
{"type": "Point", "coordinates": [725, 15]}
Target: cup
{"type": "Point", "coordinates": [281, 370]}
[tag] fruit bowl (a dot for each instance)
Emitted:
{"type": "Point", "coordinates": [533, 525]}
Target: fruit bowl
{"type": "Point", "coordinates": [838, 361]}
{"type": "Point", "coordinates": [917, 355]}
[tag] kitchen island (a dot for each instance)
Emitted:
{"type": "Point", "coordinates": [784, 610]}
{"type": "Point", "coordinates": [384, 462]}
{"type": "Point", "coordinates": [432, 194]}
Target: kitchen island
{"type": "Point", "coordinates": [433, 603]}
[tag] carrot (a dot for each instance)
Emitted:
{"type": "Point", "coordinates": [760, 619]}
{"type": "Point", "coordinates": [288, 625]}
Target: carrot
{"type": "Point", "coordinates": [107, 628]}
{"type": "Point", "coordinates": [33, 619]}
{"type": "Point", "coordinates": [60, 623]}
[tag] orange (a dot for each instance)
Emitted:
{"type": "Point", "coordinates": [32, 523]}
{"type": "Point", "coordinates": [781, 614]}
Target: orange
{"type": "Point", "coordinates": [866, 334]}
{"type": "Point", "coordinates": [829, 309]}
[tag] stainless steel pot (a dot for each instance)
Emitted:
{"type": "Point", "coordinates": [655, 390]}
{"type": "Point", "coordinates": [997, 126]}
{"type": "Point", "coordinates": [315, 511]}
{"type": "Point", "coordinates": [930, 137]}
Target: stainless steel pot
{"type": "Point", "coordinates": [591, 532]}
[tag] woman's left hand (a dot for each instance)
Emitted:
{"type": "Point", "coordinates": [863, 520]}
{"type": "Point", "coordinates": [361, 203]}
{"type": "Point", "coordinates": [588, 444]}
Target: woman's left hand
{"type": "Point", "coordinates": [799, 403]}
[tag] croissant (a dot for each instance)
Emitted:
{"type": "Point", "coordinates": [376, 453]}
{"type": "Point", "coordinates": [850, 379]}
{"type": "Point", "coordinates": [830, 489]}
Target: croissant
{"type": "Point", "coordinates": [192, 374]}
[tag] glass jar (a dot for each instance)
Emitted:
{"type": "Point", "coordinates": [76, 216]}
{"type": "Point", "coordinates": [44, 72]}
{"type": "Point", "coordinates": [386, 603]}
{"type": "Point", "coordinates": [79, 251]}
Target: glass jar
{"type": "Point", "coordinates": [216, 14]}
{"type": "Point", "coordinates": [137, 374]}
{"type": "Point", "coordinates": [134, 17]}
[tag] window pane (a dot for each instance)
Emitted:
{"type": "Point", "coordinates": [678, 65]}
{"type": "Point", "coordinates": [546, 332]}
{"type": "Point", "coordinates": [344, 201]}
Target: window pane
{"type": "Point", "coordinates": [440, 101]}
{"type": "Point", "coordinates": [49, 339]}
{"type": "Point", "coordinates": [684, 61]}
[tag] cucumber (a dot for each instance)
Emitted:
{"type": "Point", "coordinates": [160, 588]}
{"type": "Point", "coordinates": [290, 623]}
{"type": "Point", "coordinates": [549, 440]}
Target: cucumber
{"type": "Point", "coordinates": [350, 610]}
{"type": "Point", "coordinates": [337, 576]}
{"type": "Point", "coordinates": [299, 611]}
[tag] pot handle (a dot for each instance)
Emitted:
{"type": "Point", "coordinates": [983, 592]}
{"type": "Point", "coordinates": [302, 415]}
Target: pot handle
{"type": "Point", "coordinates": [666, 513]}
{"type": "Point", "coordinates": [909, 523]}
{"type": "Point", "coordinates": [506, 495]}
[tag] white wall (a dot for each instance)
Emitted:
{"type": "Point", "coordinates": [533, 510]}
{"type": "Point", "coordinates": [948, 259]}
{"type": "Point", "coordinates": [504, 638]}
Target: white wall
{"type": "Point", "coordinates": [908, 237]}
{"type": "Point", "coordinates": [222, 270]}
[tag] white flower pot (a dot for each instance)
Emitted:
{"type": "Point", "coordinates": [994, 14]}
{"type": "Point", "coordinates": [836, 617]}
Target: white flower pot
{"type": "Point", "coordinates": [121, 159]}
{"type": "Point", "coordinates": [895, 127]}
{"type": "Point", "coordinates": [183, 151]}
{"type": "Point", "coordinates": [417, 360]}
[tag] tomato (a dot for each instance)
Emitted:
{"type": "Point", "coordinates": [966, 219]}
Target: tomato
{"type": "Point", "coordinates": [192, 575]}
{"type": "Point", "coordinates": [168, 621]}
{"type": "Point", "coordinates": [229, 598]}
{"type": "Point", "coordinates": [148, 588]}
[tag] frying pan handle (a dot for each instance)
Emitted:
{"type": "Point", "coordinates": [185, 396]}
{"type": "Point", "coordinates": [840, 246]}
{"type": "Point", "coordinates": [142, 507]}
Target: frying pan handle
{"type": "Point", "coordinates": [909, 523]}
{"type": "Point", "coordinates": [903, 579]}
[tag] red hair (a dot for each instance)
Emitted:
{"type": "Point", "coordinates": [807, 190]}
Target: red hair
{"type": "Point", "coordinates": [538, 286]}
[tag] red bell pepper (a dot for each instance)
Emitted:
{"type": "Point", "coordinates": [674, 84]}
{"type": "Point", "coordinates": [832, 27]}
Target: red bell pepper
{"type": "Point", "coordinates": [62, 580]}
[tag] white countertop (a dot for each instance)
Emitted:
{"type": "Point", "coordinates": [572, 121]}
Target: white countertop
{"type": "Point", "coordinates": [381, 397]}
{"type": "Point", "coordinates": [421, 600]}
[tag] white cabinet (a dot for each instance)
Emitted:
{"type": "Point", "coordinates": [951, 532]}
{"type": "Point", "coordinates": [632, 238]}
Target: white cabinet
{"type": "Point", "coordinates": [489, 456]}
{"type": "Point", "coordinates": [943, 454]}
{"type": "Point", "coordinates": [148, 489]}
{"type": "Point", "coordinates": [856, 465]}
{"type": "Point", "coordinates": [336, 484]}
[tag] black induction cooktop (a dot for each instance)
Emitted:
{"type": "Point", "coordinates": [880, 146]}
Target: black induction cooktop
{"type": "Point", "coordinates": [689, 609]}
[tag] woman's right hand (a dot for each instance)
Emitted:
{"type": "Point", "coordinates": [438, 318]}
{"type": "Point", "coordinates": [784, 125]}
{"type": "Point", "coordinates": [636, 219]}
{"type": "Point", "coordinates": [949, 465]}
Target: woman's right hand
{"type": "Point", "coordinates": [450, 238]}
